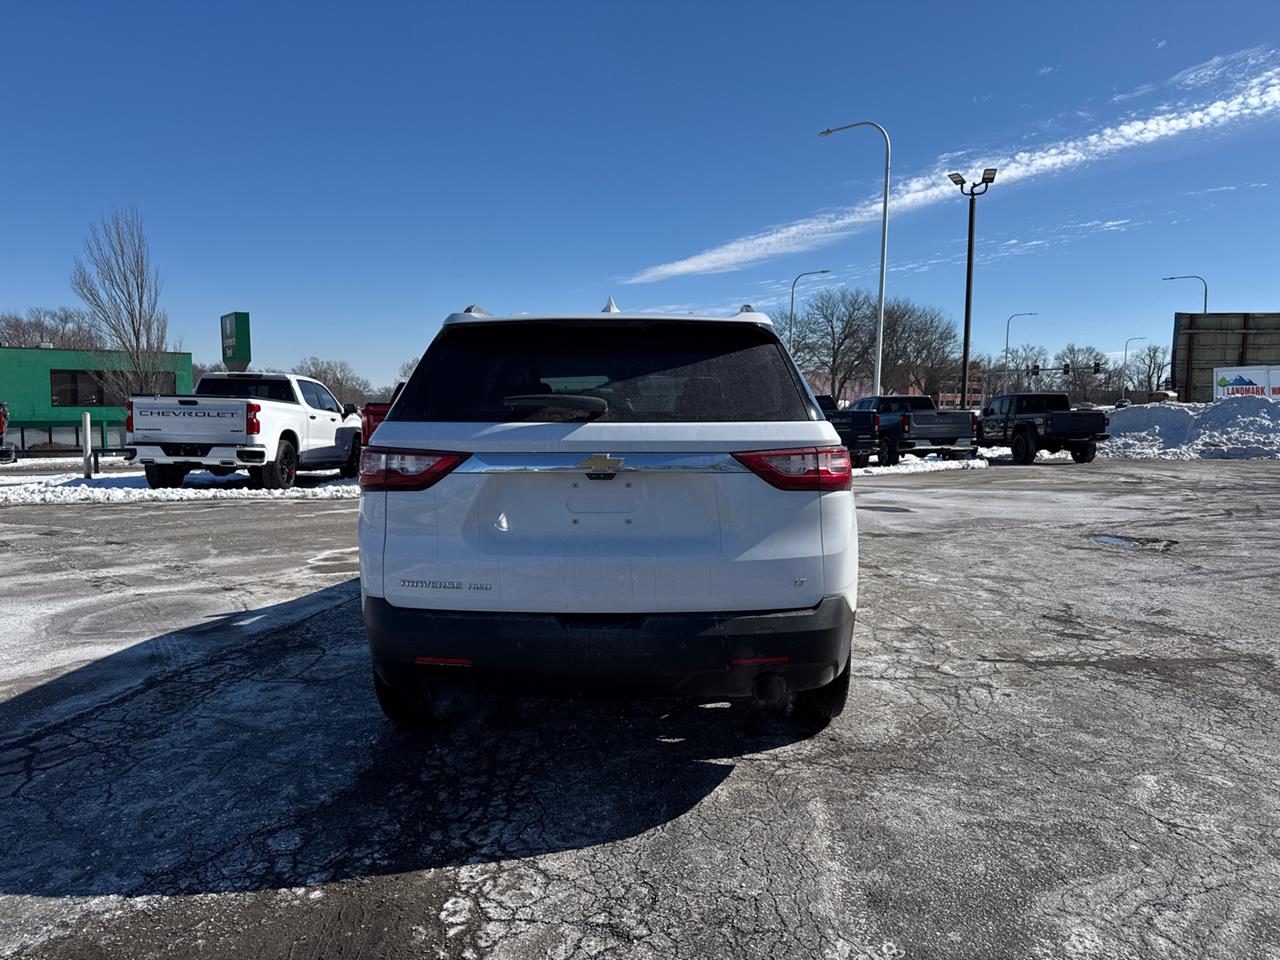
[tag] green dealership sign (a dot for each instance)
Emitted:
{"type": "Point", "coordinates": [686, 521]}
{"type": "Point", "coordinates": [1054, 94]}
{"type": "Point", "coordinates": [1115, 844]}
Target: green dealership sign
{"type": "Point", "coordinates": [235, 341]}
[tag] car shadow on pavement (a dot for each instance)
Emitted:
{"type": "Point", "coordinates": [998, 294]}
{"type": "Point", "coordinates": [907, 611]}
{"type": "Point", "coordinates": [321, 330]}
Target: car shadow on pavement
{"type": "Point", "coordinates": [266, 764]}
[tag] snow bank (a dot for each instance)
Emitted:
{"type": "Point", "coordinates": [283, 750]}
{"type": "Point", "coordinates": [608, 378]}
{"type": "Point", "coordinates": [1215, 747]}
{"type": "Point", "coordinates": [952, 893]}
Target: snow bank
{"type": "Point", "coordinates": [132, 488]}
{"type": "Point", "coordinates": [57, 463]}
{"type": "Point", "coordinates": [930, 464]}
{"type": "Point", "coordinates": [1237, 428]}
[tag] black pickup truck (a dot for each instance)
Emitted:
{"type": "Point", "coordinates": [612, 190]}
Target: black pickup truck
{"type": "Point", "coordinates": [1027, 422]}
{"type": "Point", "coordinates": [859, 430]}
{"type": "Point", "coordinates": [914, 425]}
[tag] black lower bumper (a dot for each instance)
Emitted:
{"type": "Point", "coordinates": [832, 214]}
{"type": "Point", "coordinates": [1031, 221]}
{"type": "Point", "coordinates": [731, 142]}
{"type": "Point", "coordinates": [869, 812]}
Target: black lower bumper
{"type": "Point", "coordinates": [698, 655]}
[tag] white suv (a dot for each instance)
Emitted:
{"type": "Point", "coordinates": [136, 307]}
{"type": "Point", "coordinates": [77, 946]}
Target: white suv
{"type": "Point", "coordinates": [635, 505]}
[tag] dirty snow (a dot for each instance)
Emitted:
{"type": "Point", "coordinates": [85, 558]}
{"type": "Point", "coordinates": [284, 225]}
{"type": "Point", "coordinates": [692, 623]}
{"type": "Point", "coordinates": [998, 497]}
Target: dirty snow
{"type": "Point", "coordinates": [1237, 428]}
{"type": "Point", "coordinates": [930, 464]}
{"type": "Point", "coordinates": [132, 488]}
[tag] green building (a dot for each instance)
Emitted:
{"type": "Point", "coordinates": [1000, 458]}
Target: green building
{"type": "Point", "coordinates": [49, 390]}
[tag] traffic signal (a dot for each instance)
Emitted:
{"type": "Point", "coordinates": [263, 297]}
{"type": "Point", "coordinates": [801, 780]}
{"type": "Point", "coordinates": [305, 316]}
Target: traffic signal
{"type": "Point", "coordinates": [1035, 369]}
{"type": "Point", "coordinates": [1066, 369]}
{"type": "Point", "coordinates": [1097, 366]}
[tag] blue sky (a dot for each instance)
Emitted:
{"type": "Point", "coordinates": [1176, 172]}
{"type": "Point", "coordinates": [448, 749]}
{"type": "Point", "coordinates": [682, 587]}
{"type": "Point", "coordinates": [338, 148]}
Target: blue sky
{"type": "Point", "coordinates": [352, 174]}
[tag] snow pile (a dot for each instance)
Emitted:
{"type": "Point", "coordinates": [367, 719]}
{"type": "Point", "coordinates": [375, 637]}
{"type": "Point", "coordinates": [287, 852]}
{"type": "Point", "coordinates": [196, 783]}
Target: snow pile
{"type": "Point", "coordinates": [132, 488]}
{"type": "Point", "coordinates": [930, 464]}
{"type": "Point", "coordinates": [1237, 428]}
{"type": "Point", "coordinates": [58, 463]}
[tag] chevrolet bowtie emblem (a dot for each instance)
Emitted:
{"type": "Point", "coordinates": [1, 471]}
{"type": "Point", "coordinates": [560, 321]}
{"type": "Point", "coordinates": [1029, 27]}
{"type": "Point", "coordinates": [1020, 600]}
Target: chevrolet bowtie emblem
{"type": "Point", "coordinates": [600, 463]}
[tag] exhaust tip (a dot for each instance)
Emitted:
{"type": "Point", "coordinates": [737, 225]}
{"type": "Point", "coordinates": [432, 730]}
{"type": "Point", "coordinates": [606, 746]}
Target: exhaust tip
{"type": "Point", "coordinates": [769, 690]}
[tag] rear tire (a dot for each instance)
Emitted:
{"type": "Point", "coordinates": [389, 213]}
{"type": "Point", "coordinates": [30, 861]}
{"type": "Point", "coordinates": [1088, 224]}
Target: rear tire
{"type": "Point", "coordinates": [280, 474]}
{"type": "Point", "coordinates": [861, 460]}
{"type": "Point", "coordinates": [351, 467]}
{"type": "Point", "coordinates": [1085, 453]}
{"type": "Point", "coordinates": [888, 452]}
{"type": "Point", "coordinates": [819, 707]}
{"type": "Point", "coordinates": [407, 709]}
{"type": "Point", "coordinates": [1024, 447]}
{"type": "Point", "coordinates": [164, 476]}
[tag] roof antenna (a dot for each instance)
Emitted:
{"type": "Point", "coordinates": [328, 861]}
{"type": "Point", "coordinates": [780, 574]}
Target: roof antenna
{"type": "Point", "coordinates": [747, 308]}
{"type": "Point", "coordinates": [478, 310]}
{"type": "Point", "coordinates": [611, 307]}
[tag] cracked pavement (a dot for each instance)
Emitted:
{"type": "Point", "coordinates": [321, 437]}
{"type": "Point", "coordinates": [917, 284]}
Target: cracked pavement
{"type": "Point", "coordinates": [1061, 742]}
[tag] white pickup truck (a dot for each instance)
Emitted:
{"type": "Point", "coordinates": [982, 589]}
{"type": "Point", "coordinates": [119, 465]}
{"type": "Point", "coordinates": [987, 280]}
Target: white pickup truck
{"type": "Point", "coordinates": [271, 424]}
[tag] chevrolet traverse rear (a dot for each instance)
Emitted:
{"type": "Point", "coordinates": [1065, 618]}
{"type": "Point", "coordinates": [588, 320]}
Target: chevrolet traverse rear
{"type": "Point", "coordinates": [608, 505]}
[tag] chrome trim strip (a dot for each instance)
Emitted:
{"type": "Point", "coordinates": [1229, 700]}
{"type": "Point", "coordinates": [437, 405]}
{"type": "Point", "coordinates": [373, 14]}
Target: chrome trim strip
{"type": "Point", "coordinates": [572, 463]}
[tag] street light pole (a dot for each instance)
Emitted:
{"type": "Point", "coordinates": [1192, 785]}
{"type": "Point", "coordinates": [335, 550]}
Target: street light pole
{"type": "Point", "coordinates": [972, 192]}
{"type": "Point", "coordinates": [1004, 383]}
{"type": "Point", "coordinates": [1124, 366]}
{"type": "Point", "coordinates": [1193, 276]}
{"type": "Point", "coordinates": [884, 239]}
{"type": "Point", "coordinates": [791, 346]}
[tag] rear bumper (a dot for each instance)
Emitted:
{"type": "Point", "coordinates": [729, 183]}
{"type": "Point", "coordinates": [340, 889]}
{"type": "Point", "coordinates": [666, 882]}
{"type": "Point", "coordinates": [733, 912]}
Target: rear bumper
{"type": "Point", "coordinates": [929, 444]}
{"type": "Point", "coordinates": [698, 655]}
{"type": "Point", "coordinates": [198, 455]}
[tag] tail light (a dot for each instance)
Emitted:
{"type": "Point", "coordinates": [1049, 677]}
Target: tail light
{"type": "Point", "coordinates": [128, 416]}
{"type": "Point", "coordinates": [252, 425]}
{"type": "Point", "coordinates": [906, 423]}
{"type": "Point", "coordinates": [875, 422]}
{"type": "Point", "coordinates": [803, 468]}
{"type": "Point", "coordinates": [973, 422]}
{"type": "Point", "coordinates": [382, 468]}
{"type": "Point", "coordinates": [1106, 422]}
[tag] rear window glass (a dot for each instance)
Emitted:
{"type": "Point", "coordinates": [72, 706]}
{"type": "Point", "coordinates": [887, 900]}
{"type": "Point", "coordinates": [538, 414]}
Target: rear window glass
{"type": "Point", "coordinates": [1044, 403]}
{"type": "Point", "coordinates": [603, 371]}
{"type": "Point", "coordinates": [905, 404]}
{"type": "Point", "coordinates": [247, 389]}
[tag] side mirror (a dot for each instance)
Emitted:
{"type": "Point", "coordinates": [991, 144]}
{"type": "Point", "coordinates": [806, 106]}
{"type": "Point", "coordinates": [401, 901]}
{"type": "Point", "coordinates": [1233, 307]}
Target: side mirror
{"type": "Point", "coordinates": [348, 409]}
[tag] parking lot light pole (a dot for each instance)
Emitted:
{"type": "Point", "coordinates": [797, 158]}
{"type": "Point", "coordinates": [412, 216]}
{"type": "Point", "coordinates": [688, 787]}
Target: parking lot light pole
{"type": "Point", "coordinates": [1005, 382]}
{"type": "Point", "coordinates": [1124, 366]}
{"type": "Point", "coordinates": [884, 239]}
{"type": "Point", "coordinates": [791, 346]}
{"type": "Point", "coordinates": [972, 191]}
{"type": "Point", "coordinates": [1195, 276]}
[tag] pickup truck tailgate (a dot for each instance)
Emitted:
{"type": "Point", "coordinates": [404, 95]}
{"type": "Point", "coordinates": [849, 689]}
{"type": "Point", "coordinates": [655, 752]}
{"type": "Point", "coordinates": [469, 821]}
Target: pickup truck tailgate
{"type": "Point", "coordinates": [208, 420]}
{"type": "Point", "coordinates": [1077, 423]}
{"type": "Point", "coordinates": [941, 424]}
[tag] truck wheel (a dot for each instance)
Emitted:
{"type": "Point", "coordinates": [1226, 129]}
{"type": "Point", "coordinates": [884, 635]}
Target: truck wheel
{"type": "Point", "coordinates": [351, 467]}
{"type": "Point", "coordinates": [407, 709]}
{"type": "Point", "coordinates": [157, 476]}
{"type": "Point", "coordinates": [861, 460]}
{"type": "Point", "coordinates": [281, 474]}
{"type": "Point", "coordinates": [821, 706]}
{"type": "Point", "coordinates": [888, 452]}
{"type": "Point", "coordinates": [1024, 447]}
{"type": "Point", "coordinates": [1085, 453]}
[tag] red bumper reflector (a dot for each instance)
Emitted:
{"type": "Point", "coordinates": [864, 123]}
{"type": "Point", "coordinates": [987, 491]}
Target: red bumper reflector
{"type": "Point", "coordinates": [755, 661]}
{"type": "Point", "coordinates": [444, 661]}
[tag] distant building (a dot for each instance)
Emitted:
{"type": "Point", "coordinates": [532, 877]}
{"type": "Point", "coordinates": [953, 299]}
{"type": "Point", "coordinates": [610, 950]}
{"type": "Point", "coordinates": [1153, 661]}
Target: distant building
{"type": "Point", "coordinates": [1203, 341]}
{"type": "Point", "coordinates": [49, 390]}
{"type": "Point", "coordinates": [949, 397]}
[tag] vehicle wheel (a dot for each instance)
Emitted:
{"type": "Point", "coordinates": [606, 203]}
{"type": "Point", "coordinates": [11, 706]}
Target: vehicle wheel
{"type": "Point", "coordinates": [823, 705]}
{"type": "Point", "coordinates": [888, 452]}
{"type": "Point", "coordinates": [351, 468]}
{"type": "Point", "coordinates": [1024, 447]}
{"type": "Point", "coordinates": [861, 460]}
{"type": "Point", "coordinates": [1085, 453]}
{"type": "Point", "coordinates": [281, 474]}
{"type": "Point", "coordinates": [157, 476]}
{"type": "Point", "coordinates": [407, 709]}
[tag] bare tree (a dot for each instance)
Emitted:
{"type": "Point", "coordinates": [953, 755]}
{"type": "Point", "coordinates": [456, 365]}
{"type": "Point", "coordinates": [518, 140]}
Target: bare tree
{"type": "Point", "coordinates": [1080, 382]}
{"type": "Point", "coordinates": [121, 291]}
{"type": "Point", "coordinates": [67, 328]}
{"type": "Point", "coordinates": [406, 369]}
{"type": "Point", "coordinates": [920, 347]}
{"type": "Point", "coordinates": [339, 376]}
{"type": "Point", "coordinates": [1147, 368]}
{"type": "Point", "coordinates": [834, 339]}
{"type": "Point", "coordinates": [198, 370]}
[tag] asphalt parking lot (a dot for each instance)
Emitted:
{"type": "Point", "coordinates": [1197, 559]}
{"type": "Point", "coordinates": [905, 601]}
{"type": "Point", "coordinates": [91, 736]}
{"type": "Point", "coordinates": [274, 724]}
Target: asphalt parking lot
{"type": "Point", "coordinates": [1061, 742]}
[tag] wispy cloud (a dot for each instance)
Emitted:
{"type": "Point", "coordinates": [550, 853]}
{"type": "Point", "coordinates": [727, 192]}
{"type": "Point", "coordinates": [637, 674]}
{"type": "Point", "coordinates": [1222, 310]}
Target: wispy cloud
{"type": "Point", "coordinates": [1250, 97]}
{"type": "Point", "coordinates": [1226, 68]}
{"type": "Point", "coordinates": [1159, 43]}
{"type": "Point", "coordinates": [1045, 71]}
